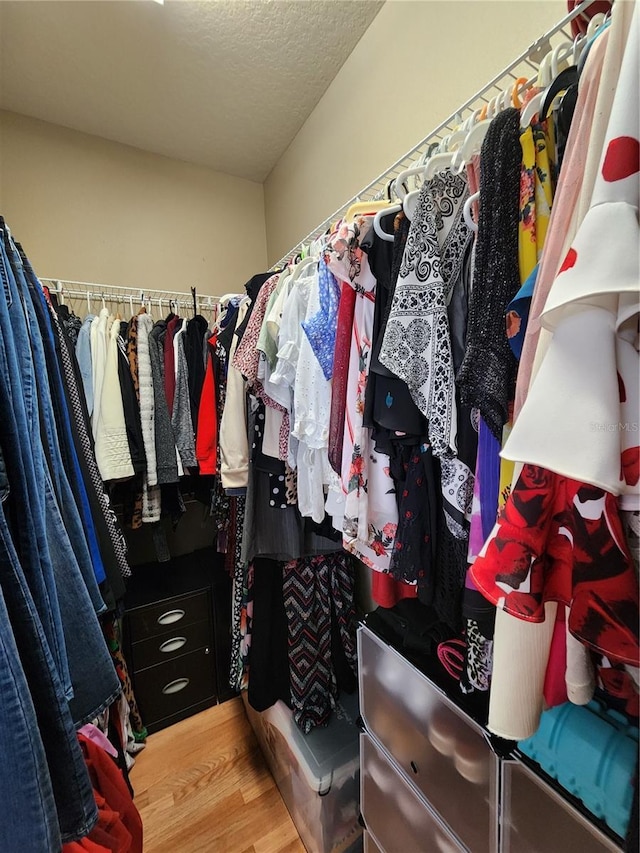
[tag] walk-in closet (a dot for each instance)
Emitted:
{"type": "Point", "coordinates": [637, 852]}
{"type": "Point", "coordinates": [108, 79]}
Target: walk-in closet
{"type": "Point", "coordinates": [319, 426]}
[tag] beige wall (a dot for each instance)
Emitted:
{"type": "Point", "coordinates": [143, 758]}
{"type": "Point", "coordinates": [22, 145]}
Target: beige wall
{"type": "Point", "coordinates": [91, 210]}
{"type": "Point", "coordinates": [414, 65]}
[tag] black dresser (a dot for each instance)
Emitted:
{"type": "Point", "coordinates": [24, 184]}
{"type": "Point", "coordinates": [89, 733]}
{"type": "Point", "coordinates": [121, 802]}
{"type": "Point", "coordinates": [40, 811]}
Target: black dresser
{"type": "Point", "coordinates": [177, 636]}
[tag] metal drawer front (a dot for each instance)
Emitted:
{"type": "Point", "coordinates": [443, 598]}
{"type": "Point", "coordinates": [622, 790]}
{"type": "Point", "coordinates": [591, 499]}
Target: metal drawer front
{"type": "Point", "coordinates": [168, 688]}
{"type": "Point", "coordinates": [178, 641]}
{"type": "Point", "coordinates": [397, 818]}
{"type": "Point", "coordinates": [440, 750]}
{"type": "Point", "coordinates": [536, 819]}
{"type": "Point", "coordinates": [169, 615]}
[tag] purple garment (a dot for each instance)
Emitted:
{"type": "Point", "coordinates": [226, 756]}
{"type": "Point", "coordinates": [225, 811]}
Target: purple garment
{"type": "Point", "coordinates": [489, 462]}
{"type": "Point", "coordinates": [321, 328]}
{"type": "Point", "coordinates": [486, 490]}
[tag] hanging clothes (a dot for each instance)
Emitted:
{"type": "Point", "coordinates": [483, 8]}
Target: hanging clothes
{"type": "Point", "coordinates": [416, 345]}
{"type": "Point", "coordinates": [368, 508]}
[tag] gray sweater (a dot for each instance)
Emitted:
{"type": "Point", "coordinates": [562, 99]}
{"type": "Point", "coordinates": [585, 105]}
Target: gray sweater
{"type": "Point", "coordinates": [166, 461]}
{"type": "Point", "coordinates": [181, 417]}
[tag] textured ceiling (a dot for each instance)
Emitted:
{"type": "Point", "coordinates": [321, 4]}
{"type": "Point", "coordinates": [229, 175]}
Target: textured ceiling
{"type": "Point", "coordinates": [224, 83]}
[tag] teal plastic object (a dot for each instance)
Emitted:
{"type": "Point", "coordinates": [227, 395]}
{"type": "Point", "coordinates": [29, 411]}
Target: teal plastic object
{"type": "Point", "coordinates": [593, 754]}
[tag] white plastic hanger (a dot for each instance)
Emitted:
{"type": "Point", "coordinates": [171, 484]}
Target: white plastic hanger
{"type": "Point", "coordinates": [377, 224]}
{"type": "Point", "coordinates": [437, 163]}
{"type": "Point", "coordinates": [302, 266]}
{"type": "Point", "coordinates": [399, 187]}
{"type": "Point", "coordinates": [559, 56]}
{"type": "Point", "coordinates": [466, 212]}
{"type": "Point", "coordinates": [473, 142]}
{"type": "Point", "coordinates": [224, 300]}
{"type": "Point", "coordinates": [545, 79]}
{"type": "Point", "coordinates": [594, 24]}
{"type": "Point", "coordinates": [475, 136]}
{"type": "Point", "coordinates": [458, 163]}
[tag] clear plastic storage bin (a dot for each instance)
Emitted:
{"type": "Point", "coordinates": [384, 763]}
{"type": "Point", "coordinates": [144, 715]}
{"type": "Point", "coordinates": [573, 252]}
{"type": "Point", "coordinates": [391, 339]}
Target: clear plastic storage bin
{"type": "Point", "coordinates": [439, 748]}
{"type": "Point", "coordinates": [370, 845]}
{"type": "Point", "coordinates": [318, 774]}
{"type": "Point", "coordinates": [537, 819]}
{"type": "Point", "coordinates": [397, 818]}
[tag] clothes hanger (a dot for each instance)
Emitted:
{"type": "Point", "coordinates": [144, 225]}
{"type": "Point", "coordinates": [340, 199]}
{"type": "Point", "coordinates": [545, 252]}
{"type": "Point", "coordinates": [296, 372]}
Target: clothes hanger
{"type": "Point", "coordinates": [437, 163]}
{"type": "Point", "coordinates": [521, 83]}
{"type": "Point", "coordinates": [559, 55]}
{"type": "Point", "coordinates": [440, 159]}
{"type": "Point", "coordinates": [474, 140]}
{"type": "Point", "coordinates": [377, 223]}
{"type": "Point", "coordinates": [489, 109]}
{"type": "Point", "coordinates": [458, 164]}
{"type": "Point", "coordinates": [362, 208]}
{"type": "Point", "coordinates": [532, 107]}
{"type": "Point", "coordinates": [587, 43]}
{"type": "Point", "coordinates": [594, 24]}
{"type": "Point", "coordinates": [566, 78]}
{"type": "Point", "coordinates": [475, 137]}
{"type": "Point", "coordinates": [304, 263]}
{"type": "Point", "coordinates": [400, 187]}
{"type": "Point", "coordinates": [466, 212]}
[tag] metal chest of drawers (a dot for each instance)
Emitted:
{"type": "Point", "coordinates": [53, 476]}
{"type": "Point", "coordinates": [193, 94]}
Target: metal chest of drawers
{"type": "Point", "coordinates": [177, 642]}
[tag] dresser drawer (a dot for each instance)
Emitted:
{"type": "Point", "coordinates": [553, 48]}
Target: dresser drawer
{"type": "Point", "coordinates": [172, 644]}
{"type": "Point", "coordinates": [168, 688]}
{"type": "Point", "coordinates": [441, 751]}
{"type": "Point", "coordinates": [537, 819]}
{"type": "Point", "coordinates": [395, 815]}
{"type": "Point", "coordinates": [168, 614]}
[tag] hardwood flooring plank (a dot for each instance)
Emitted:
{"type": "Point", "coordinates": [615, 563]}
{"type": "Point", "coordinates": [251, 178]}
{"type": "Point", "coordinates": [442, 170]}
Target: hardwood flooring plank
{"type": "Point", "coordinates": [282, 839]}
{"type": "Point", "coordinates": [202, 786]}
{"type": "Point", "coordinates": [258, 786]}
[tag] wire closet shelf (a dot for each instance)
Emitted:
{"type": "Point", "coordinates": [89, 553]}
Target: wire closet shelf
{"type": "Point", "coordinates": [524, 65]}
{"type": "Point", "coordinates": [92, 291]}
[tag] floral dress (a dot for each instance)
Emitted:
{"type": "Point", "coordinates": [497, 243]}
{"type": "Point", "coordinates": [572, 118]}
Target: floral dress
{"type": "Point", "coordinates": [370, 513]}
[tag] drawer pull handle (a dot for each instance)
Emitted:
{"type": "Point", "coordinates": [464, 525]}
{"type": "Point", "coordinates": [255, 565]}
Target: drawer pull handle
{"type": "Point", "coordinates": [175, 686]}
{"type": "Point", "coordinates": [172, 645]}
{"type": "Point", "coordinates": [170, 617]}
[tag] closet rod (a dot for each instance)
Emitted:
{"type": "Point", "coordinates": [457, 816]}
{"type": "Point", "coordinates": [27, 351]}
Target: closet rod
{"type": "Point", "coordinates": [532, 56]}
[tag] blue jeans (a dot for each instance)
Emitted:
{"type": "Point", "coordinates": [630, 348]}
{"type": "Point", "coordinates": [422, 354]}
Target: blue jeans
{"type": "Point", "coordinates": [80, 531]}
{"type": "Point", "coordinates": [29, 821]}
{"type": "Point", "coordinates": [46, 553]}
{"type": "Point", "coordinates": [16, 424]}
{"type": "Point", "coordinates": [74, 808]}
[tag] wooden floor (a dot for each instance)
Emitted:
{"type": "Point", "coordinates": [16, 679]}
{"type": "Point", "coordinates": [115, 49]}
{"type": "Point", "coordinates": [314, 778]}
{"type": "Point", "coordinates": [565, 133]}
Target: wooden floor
{"type": "Point", "coordinates": [202, 786]}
